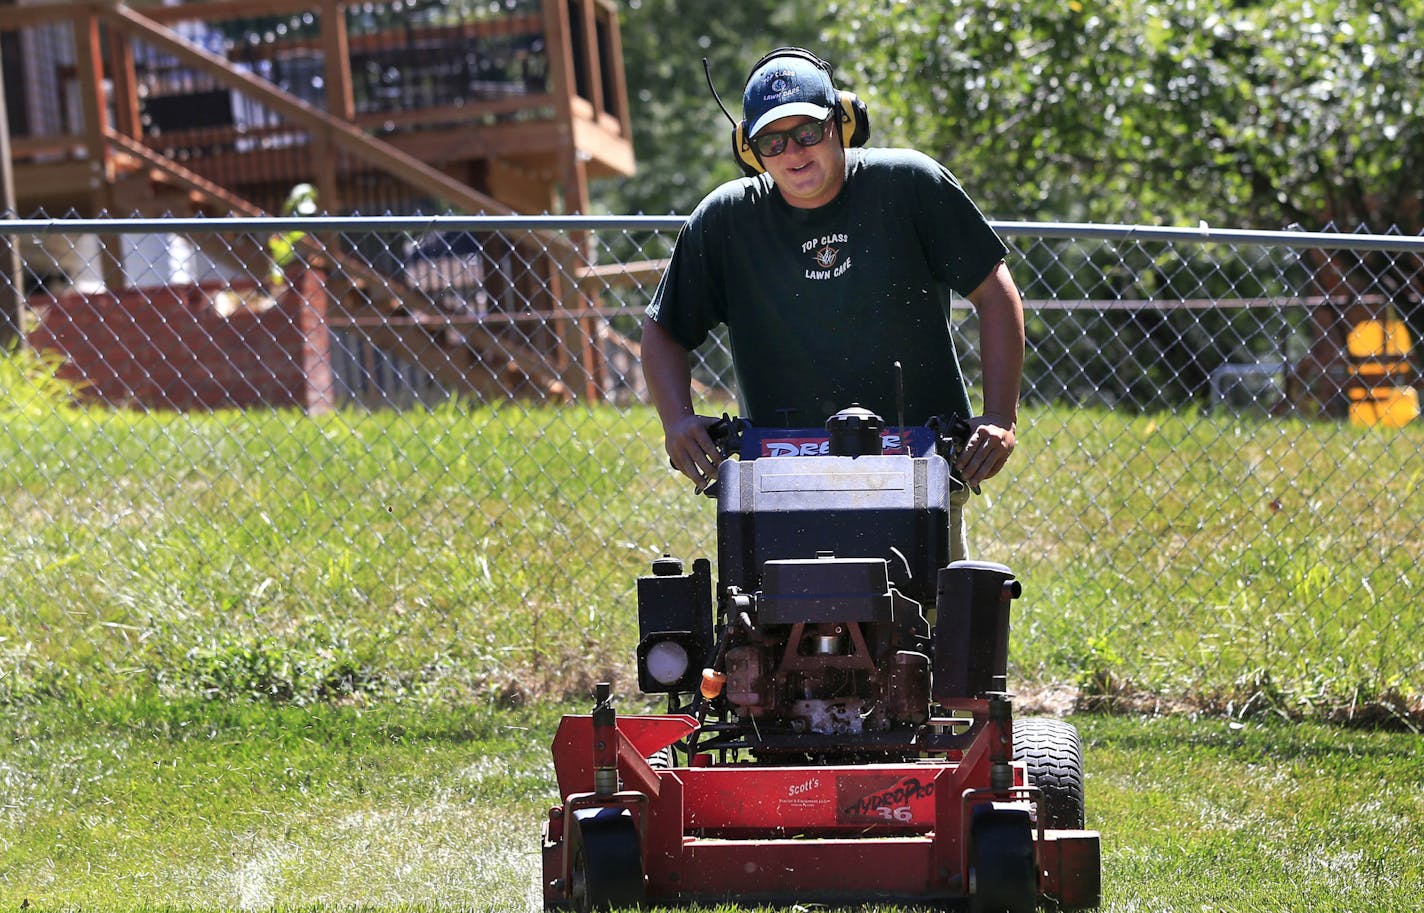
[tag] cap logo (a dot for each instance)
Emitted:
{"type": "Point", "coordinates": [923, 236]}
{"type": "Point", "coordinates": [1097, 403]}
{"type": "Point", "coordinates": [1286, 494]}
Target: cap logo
{"type": "Point", "coordinates": [783, 88]}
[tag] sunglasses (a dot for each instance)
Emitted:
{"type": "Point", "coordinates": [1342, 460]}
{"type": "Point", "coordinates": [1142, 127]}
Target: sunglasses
{"type": "Point", "coordinates": [770, 145]}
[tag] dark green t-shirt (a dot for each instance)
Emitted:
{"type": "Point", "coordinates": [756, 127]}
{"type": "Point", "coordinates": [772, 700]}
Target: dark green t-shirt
{"type": "Point", "coordinates": [821, 303]}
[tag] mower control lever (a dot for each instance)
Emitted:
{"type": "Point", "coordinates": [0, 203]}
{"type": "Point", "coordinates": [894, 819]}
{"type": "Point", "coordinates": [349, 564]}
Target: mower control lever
{"type": "Point", "coordinates": [951, 444]}
{"type": "Point", "coordinates": [726, 434]}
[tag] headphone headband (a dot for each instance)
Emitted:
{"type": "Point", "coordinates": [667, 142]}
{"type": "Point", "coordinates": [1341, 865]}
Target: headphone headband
{"type": "Point", "coordinates": [800, 53]}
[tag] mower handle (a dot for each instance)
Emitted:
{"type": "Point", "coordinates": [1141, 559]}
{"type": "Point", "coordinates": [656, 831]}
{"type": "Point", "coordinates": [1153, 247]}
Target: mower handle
{"type": "Point", "coordinates": [951, 437]}
{"type": "Point", "coordinates": [726, 434]}
{"type": "Point", "coordinates": [950, 443]}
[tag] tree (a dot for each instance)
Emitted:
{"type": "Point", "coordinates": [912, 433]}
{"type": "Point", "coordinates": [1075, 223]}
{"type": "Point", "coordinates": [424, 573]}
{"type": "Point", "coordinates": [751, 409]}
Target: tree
{"type": "Point", "coordinates": [1255, 113]}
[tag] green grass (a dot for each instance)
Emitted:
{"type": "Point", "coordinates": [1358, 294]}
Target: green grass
{"type": "Point", "coordinates": [261, 660]}
{"type": "Point", "coordinates": [1231, 561]}
{"type": "Point", "coordinates": [148, 805]}
{"type": "Point", "coordinates": [1216, 562]}
{"type": "Point", "coordinates": [202, 805]}
{"type": "Point", "coordinates": [154, 548]}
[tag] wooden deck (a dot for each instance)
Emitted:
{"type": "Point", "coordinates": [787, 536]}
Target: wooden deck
{"type": "Point", "coordinates": [460, 111]}
{"type": "Point", "coordinates": [220, 107]}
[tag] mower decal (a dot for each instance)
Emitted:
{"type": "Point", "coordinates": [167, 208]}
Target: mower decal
{"type": "Point", "coordinates": [817, 445]}
{"type": "Point", "coordinates": [881, 799]}
{"type": "Point", "coordinates": [793, 442]}
{"type": "Point", "coordinates": [806, 794]}
{"type": "Point", "coordinates": [801, 788]}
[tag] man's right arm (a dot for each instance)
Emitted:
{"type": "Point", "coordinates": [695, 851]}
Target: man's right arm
{"type": "Point", "coordinates": [668, 373]}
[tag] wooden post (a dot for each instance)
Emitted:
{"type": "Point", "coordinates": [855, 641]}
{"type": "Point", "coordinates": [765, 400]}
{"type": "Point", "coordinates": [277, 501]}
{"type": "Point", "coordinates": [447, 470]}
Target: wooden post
{"type": "Point", "coordinates": [125, 78]}
{"type": "Point", "coordinates": [561, 60]}
{"type": "Point", "coordinates": [324, 162]}
{"type": "Point", "coordinates": [93, 101]}
{"type": "Point", "coordinates": [619, 90]}
{"type": "Point", "coordinates": [336, 51]}
{"type": "Point", "coordinates": [562, 85]}
{"type": "Point", "coordinates": [318, 384]}
{"type": "Point", "coordinates": [594, 366]}
{"type": "Point", "coordinates": [340, 102]}
{"type": "Point", "coordinates": [593, 72]}
{"type": "Point", "coordinates": [12, 303]}
{"type": "Point", "coordinates": [565, 261]}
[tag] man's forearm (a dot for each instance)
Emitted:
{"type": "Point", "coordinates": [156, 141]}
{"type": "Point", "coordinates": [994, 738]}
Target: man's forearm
{"type": "Point", "coordinates": [667, 373]}
{"type": "Point", "coordinates": [1001, 344]}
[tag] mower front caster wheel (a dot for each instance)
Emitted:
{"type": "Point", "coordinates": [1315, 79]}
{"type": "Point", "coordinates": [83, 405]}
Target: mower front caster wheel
{"type": "Point", "coordinates": [607, 869]}
{"type": "Point", "coordinates": [1003, 877]}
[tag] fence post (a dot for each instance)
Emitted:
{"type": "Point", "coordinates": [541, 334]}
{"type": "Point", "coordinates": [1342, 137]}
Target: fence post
{"type": "Point", "coordinates": [317, 390]}
{"type": "Point", "coordinates": [12, 303]}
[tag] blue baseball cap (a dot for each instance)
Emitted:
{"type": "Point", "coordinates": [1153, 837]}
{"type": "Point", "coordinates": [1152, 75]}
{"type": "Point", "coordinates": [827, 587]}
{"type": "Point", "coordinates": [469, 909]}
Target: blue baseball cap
{"type": "Point", "coordinates": [786, 87]}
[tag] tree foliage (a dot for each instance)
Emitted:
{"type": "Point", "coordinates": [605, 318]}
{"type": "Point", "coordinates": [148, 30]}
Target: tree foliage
{"type": "Point", "coordinates": [1240, 113]}
{"type": "Point", "coordinates": [1246, 113]}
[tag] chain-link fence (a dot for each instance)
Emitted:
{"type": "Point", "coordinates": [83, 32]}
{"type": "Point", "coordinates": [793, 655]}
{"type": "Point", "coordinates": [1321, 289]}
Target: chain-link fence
{"type": "Point", "coordinates": [334, 457]}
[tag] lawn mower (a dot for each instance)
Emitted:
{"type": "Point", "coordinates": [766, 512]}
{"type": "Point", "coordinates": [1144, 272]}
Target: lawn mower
{"type": "Point", "coordinates": [839, 728]}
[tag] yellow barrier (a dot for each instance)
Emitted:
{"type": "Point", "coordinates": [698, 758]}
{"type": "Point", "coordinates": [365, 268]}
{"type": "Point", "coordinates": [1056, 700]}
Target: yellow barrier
{"type": "Point", "coordinates": [1381, 372]}
{"type": "Point", "coordinates": [1388, 407]}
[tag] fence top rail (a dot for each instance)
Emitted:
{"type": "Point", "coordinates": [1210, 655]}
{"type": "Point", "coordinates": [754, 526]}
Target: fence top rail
{"type": "Point", "coordinates": [1205, 234]}
{"type": "Point", "coordinates": [1202, 234]}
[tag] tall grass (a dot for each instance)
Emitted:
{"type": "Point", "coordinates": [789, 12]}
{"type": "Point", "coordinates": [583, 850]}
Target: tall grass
{"type": "Point", "coordinates": [489, 553]}
{"type": "Point", "coordinates": [1225, 562]}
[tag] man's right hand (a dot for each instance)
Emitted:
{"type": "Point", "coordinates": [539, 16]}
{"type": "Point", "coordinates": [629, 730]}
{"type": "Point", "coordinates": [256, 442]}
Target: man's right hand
{"type": "Point", "coordinates": [691, 450]}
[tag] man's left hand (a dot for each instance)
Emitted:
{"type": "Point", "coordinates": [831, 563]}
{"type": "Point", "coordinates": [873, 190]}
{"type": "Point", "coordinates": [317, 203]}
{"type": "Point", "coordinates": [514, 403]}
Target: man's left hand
{"type": "Point", "coordinates": [990, 443]}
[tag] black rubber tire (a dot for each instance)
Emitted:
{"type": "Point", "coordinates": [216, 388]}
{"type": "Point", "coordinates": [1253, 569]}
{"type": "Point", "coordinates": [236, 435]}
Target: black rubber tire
{"type": "Point", "coordinates": [1001, 863]}
{"type": "Point", "coordinates": [1053, 754]}
{"type": "Point", "coordinates": [607, 870]}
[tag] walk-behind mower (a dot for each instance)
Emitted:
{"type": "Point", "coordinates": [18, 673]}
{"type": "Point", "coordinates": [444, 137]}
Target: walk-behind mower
{"type": "Point", "coordinates": [839, 729]}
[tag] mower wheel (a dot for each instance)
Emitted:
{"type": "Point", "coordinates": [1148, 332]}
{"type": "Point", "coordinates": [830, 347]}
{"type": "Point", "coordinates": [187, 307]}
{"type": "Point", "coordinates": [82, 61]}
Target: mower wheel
{"type": "Point", "coordinates": [607, 870]}
{"type": "Point", "coordinates": [1003, 876]}
{"type": "Point", "coordinates": [1053, 754]}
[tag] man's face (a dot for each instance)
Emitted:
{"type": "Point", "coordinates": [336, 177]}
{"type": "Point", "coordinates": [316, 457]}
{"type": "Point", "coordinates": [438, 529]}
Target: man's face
{"type": "Point", "coordinates": [807, 176]}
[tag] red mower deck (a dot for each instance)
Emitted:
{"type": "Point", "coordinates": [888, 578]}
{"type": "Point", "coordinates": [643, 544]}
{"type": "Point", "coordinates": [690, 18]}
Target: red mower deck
{"type": "Point", "coordinates": [755, 834]}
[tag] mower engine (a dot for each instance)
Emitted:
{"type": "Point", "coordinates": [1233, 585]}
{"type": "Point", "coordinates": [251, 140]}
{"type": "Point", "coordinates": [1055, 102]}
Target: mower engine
{"type": "Point", "coordinates": [832, 568]}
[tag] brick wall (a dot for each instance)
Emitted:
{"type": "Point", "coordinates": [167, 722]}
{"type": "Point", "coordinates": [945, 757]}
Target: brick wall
{"type": "Point", "coordinates": [173, 348]}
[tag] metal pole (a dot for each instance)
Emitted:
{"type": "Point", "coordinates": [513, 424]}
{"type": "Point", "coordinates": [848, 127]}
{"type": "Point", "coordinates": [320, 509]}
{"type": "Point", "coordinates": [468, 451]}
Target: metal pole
{"type": "Point", "coordinates": [12, 297]}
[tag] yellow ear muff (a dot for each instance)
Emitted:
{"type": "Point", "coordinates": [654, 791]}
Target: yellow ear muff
{"type": "Point", "coordinates": [855, 121]}
{"type": "Point", "coordinates": [744, 154]}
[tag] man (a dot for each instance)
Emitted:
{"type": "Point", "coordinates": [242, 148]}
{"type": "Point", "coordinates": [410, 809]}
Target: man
{"type": "Point", "coordinates": [827, 269]}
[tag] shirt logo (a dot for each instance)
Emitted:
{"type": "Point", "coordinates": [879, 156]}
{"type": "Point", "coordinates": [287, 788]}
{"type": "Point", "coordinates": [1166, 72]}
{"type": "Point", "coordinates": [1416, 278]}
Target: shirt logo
{"type": "Point", "coordinates": [825, 253]}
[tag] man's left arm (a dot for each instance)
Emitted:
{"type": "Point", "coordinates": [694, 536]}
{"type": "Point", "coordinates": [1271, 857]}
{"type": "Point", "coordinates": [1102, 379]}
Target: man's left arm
{"type": "Point", "coordinates": [1001, 347]}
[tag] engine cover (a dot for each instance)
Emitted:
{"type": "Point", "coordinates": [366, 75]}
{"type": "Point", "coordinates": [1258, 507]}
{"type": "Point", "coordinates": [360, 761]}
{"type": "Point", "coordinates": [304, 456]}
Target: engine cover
{"type": "Point", "coordinates": [825, 588]}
